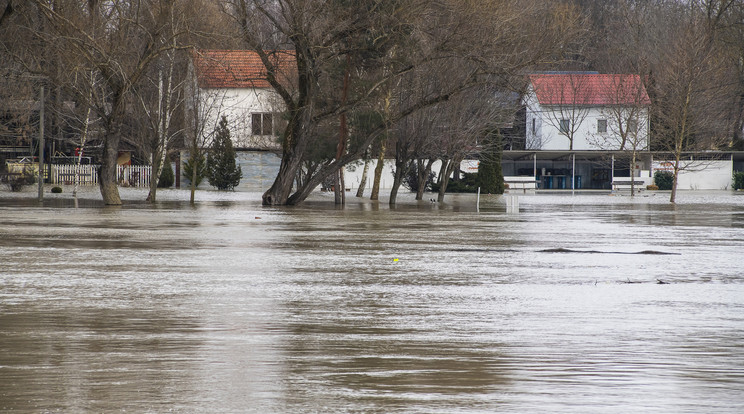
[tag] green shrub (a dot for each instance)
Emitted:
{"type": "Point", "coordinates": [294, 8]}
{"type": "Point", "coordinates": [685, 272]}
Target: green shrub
{"type": "Point", "coordinates": [739, 180]}
{"type": "Point", "coordinates": [663, 180]}
{"type": "Point", "coordinates": [467, 184]}
{"type": "Point", "coordinates": [411, 181]}
{"type": "Point", "coordinates": [56, 190]}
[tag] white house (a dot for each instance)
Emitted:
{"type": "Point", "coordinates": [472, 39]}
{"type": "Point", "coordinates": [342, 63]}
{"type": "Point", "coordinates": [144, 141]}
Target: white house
{"type": "Point", "coordinates": [586, 111]}
{"type": "Point", "coordinates": [233, 83]}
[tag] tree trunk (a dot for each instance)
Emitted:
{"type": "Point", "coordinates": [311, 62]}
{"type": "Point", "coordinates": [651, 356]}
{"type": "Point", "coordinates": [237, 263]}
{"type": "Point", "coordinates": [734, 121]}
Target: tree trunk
{"type": "Point", "coordinates": [158, 163]}
{"type": "Point", "coordinates": [339, 190]}
{"type": "Point", "coordinates": [363, 183]}
{"type": "Point", "coordinates": [632, 173]}
{"type": "Point", "coordinates": [401, 169]}
{"type": "Point", "coordinates": [447, 167]}
{"type": "Point", "coordinates": [193, 156]}
{"type": "Point", "coordinates": [375, 195]}
{"type": "Point", "coordinates": [107, 173]}
{"type": "Point", "coordinates": [279, 192]}
{"type": "Point", "coordinates": [673, 197]}
{"type": "Point", "coordinates": [292, 156]}
{"type": "Point", "coordinates": [424, 169]}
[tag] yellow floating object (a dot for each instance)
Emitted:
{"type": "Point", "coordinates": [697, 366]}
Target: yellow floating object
{"type": "Point", "coordinates": [395, 260]}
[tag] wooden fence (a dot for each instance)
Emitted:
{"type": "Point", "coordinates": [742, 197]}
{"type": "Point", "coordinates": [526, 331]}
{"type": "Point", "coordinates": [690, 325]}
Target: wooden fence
{"type": "Point", "coordinates": [127, 175]}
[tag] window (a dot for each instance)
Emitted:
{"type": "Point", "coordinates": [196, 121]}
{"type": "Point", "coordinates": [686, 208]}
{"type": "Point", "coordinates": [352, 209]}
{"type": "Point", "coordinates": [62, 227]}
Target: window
{"type": "Point", "coordinates": [565, 124]}
{"type": "Point", "coordinates": [262, 124]}
{"type": "Point", "coordinates": [601, 125]}
{"type": "Point", "coordinates": [533, 126]}
{"type": "Point", "coordinates": [632, 126]}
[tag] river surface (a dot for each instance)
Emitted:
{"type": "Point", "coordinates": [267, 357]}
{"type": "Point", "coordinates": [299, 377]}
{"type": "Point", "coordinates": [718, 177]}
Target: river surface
{"type": "Point", "coordinates": [426, 308]}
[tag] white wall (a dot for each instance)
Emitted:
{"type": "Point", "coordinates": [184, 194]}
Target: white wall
{"type": "Point", "coordinates": [353, 172]}
{"type": "Point", "coordinates": [701, 175]}
{"type": "Point", "coordinates": [238, 105]}
{"type": "Point", "coordinates": [547, 136]}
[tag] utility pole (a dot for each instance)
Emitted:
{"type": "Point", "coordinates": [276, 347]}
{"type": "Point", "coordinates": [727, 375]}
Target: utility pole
{"type": "Point", "coordinates": [41, 143]}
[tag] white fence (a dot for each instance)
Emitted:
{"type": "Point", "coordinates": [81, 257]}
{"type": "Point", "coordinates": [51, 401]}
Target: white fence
{"type": "Point", "coordinates": [127, 175]}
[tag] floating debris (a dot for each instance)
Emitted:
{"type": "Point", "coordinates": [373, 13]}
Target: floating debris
{"type": "Point", "coordinates": [564, 250]}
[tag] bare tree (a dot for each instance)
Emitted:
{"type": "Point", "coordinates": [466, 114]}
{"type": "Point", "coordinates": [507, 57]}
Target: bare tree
{"type": "Point", "coordinates": [119, 40]}
{"type": "Point", "coordinates": [690, 90]}
{"type": "Point", "coordinates": [462, 123]}
{"type": "Point", "coordinates": [159, 112]}
{"type": "Point", "coordinates": [491, 39]}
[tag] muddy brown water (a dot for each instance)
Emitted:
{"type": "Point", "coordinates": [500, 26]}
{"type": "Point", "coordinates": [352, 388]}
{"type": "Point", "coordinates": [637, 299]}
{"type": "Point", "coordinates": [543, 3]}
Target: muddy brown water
{"type": "Point", "coordinates": [232, 307]}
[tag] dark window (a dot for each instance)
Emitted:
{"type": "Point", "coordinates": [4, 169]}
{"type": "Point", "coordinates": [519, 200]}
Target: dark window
{"type": "Point", "coordinates": [601, 125]}
{"type": "Point", "coordinates": [565, 124]}
{"type": "Point", "coordinates": [632, 126]}
{"type": "Point", "coordinates": [262, 124]}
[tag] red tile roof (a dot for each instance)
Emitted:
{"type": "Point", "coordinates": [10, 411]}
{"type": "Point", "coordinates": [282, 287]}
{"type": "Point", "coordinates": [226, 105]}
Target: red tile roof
{"type": "Point", "coordinates": [240, 68]}
{"type": "Point", "coordinates": [589, 89]}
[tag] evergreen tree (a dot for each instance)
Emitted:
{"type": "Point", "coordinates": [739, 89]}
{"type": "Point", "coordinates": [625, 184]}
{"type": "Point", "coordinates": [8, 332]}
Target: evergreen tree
{"type": "Point", "coordinates": [222, 170]}
{"type": "Point", "coordinates": [490, 177]}
{"type": "Point", "coordinates": [166, 176]}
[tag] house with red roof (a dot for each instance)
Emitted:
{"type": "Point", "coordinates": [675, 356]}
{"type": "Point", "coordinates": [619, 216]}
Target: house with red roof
{"type": "Point", "coordinates": [586, 111]}
{"type": "Point", "coordinates": [233, 83]}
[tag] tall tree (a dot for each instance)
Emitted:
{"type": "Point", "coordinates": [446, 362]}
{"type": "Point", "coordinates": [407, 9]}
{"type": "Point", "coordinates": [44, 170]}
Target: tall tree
{"type": "Point", "coordinates": [119, 40]}
{"type": "Point", "coordinates": [691, 86]}
{"type": "Point", "coordinates": [487, 40]}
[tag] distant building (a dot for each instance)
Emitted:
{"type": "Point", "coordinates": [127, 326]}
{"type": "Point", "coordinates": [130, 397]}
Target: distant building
{"type": "Point", "coordinates": [580, 130]}
{"type": "Point", "coordinates": [234, 83]}
{"type": "Point", "coordinates": [578, 111]}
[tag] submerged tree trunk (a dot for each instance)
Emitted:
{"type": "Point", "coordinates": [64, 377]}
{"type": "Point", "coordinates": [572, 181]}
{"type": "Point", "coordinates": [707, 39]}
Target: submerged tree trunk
{"type": "Point", "coordinates": [424, 169]}
{"type": "Point", "coordinates": [158, 162]}
{"type": "Point", "coordinates": [675, 179]}
{"type": "Point", "coordinates": [363, 183]}
{"type": "Point", "coordinates": [292, 157]}
{"type": "Point", "coordinates": [448, 166]}
{"type": "Point", "coordinates": [339, 190]}
{"type": "Point", "coordinates": [194, 171]}
{"type": "Point", "coordinates": [375, 195]}
{"type": "Point", "coordinates": [401, 169]}
{"type": "Point", "coordinates": [632, 173]}
{"type": "Point", "coordinates": [107, 173]}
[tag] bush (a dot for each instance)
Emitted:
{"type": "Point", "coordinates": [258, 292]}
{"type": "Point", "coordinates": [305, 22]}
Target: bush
{"type": "Point", "coordinates": [467, 184]}
{"type": "Point", "coordinates": [56, 190]}
{"type": "Point", "coordinates": [652, 187]}
{"type": "Point", "coordinates": [16, 184]}
{"type": "Point", "coordinates": [663, 180]}
{"type": "Point", "coordinates": [166, 176]}
{"type": "Point", "coordinates": [739, 180]}
{"type": "Point", "coordinates": [411, 181]}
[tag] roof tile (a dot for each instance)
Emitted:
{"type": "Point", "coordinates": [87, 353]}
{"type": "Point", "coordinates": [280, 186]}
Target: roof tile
{"type": "Point", "coordinates": [241, 68]}
{"type": "Point", "coordinates": [589, 89]}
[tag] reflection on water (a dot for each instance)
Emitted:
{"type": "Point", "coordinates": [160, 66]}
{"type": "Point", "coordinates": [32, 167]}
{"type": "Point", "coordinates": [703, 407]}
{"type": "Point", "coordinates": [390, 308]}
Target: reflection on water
{"type": "Point", "coordinates": [233, 307]}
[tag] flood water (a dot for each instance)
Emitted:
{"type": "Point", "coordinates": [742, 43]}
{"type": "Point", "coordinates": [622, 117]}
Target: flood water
{"type": "Point", "coordinates": [426, 308]}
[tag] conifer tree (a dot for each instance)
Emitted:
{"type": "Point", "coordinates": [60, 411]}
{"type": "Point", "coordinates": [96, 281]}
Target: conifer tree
{"type": "Point", "coordinates": [166, 175]}
{"type": "Point", "coordinates": [222, 170]}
